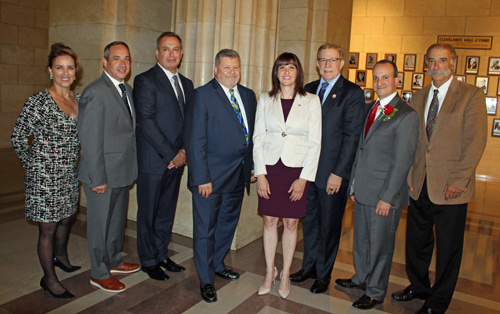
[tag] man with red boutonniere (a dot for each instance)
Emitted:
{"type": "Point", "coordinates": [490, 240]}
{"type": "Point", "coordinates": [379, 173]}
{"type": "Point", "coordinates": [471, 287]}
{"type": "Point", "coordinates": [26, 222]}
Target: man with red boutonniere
{"type": "Point", "coordinates": [378, 185]}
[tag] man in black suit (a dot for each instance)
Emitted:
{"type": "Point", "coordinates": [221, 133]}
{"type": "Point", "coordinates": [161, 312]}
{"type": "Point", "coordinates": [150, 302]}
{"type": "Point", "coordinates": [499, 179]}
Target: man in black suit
{"type": "Point", "coordinates": [218, 135]}
{"type": "Point", "coordinates": [343, 106]}
{"type": "Point", "coordinates": [159, 97]}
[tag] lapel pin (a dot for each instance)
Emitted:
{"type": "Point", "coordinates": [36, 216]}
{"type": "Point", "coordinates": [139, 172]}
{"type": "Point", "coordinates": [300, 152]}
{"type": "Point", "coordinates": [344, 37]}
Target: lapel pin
{"type": "Point", "coordinates": [334, 96]}
{"type": "Point", "coordinates": [299, 105]}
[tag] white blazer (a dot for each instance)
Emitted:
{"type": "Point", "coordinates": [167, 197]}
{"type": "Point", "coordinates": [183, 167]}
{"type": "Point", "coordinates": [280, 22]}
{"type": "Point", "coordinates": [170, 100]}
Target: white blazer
{"type": "Point", "coordinates": [297, 142]}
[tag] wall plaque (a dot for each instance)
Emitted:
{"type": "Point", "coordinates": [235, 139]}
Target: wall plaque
{"type": "Point", "coordinates": [467, 42]}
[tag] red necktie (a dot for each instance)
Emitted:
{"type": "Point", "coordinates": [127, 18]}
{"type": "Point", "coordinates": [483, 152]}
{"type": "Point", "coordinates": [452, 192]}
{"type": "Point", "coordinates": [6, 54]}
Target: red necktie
{"type": "Point", "coordinates": [371, 117]}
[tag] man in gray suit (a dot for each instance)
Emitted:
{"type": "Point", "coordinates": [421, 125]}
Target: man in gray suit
{"type": "Point", "coordinates": [378, 185]}
{"type": "Point", "coordinates": [108, 166]}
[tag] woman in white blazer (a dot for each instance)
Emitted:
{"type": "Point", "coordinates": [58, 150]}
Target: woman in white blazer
{"type": "Point", "coordinates": [287, 141]}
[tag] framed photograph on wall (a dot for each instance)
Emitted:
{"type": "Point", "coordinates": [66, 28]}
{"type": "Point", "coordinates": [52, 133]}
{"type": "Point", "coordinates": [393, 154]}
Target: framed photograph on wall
{"type": "Point", "coordinates": [471, 65]}
{"type": "Point", "coordinates": [410, 61]}
{"type": "Point", "coordinates": [401, 83]}
{"type": "Point", "coordinates": [417, 81]}
{"type": "Point", "coordinates": [406, 96]}
{"type": "Point", "coordinates": [494, 66]}
{"type": "Point", "coordinates": [455, 66]}
{"type": "Point", "coordinates": [498, 87]}
{"type": "Point", "coordinates": [461, 78]}
{"type": "Point", "coordinates": [353, 60]}
{"type": "Point", "coordinates": [368, 95]}
{"type": "Point", "coordinates": [495, 128]}
{"type": "Point", "coordinates": [371, 59]}
{"type": "Point", "coordinates": [391, 57]}
{"type": "Point", "coordinates": [424, 68]}
{"type": "Point", "coordinates": [491, 105]}
{"type": "Point", "coordinates": [361, 77]}
{"type": "Point", "coordinates": [482, 82]}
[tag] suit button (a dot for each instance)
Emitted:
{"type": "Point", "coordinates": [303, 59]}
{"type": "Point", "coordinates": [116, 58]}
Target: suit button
{"type": "Point", "coordinates": [283, 134]}
{"type": "Point", "coordinates": [428, 150]}
{"type": "Point", "coordinates": [361, 149]}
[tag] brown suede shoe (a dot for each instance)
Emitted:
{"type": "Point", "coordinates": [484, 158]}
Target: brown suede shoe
{"type": "Point", "coordinates": [110, 284]}
{"type": "Point", "coordinates": [126, 268]}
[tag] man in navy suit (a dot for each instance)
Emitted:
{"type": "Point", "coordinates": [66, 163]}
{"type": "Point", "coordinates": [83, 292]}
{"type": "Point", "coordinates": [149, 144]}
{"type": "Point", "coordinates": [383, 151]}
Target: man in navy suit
{"type": "Point", "coordinates": [159, 97]}
{"type": "Point", "coordinates": [218, 132]}
{"type": "Point", "coordinates": [343, 106]}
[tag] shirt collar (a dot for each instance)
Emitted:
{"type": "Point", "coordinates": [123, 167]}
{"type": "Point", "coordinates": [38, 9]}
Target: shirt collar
{"type": "Point", "coordinates": [331, 83]}
{"type": "Point", "coordinates": [443, 88]}
{"type": "Point", "coordinates": [226, 90]}
{"type": "Point", "coordinates": [169, 74]}
{"type": "Point", "coordinates": [387, 100]}
{"type": "Point", "coordinates": [115, 82]}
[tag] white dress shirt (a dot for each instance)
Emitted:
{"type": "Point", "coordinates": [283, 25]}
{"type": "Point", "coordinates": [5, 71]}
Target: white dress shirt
{"type": "Point", "coordinates": [238, 99]}
{"type": "Point", "coordinates": [443, 89]}
{"type": "Point", "coordinates": [116, 83]}
{"type": "Point", "coordinates": [170, 76]}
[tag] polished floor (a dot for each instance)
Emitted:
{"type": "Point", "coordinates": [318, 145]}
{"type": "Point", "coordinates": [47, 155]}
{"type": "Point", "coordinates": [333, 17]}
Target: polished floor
{"type": "Point", "coordinates": [477, 291]}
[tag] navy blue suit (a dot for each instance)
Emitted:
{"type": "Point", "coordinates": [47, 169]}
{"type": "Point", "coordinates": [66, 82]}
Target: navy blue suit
{"type": "Point", "coordinates": [217, 152]}
{"type": "Point", "coordinates": [159, 139]}
{"type": "Point", "coordinates": [343, 119]}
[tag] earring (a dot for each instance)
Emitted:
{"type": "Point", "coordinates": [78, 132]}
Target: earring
{"type": "Point", "coordinates": [51, 77]}
{"type": "Point", "coordinates": [75, 78]}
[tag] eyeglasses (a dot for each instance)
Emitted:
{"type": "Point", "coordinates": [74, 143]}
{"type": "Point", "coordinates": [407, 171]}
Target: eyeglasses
{"type": "Point", "coordinates": [323, 61]}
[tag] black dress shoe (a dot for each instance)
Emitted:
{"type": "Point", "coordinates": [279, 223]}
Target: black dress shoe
{"type": "Point", "coordinates": [65, 295]}
{"type": "Point", "coordinates": [366, 303]}
{"type": "Point", "coordinates": [169, 265]}
{"type": "Point", "coordinates": [320, 285]}
{"type": "Point", "coordinates": [427, 310]}
{"type": "Point", "coordinates": [347, 283]}
{"type": "Point", "coordinates": [228, 274]}
{"type": "Point", "coordinates": [302, 275]}
{"type": "Point", "coordinates": [208, 293]}
{"type": "Point", "coordinates": [407, 295]}
{"type": "Point", "coordinates": [155, 272]}
{"type": "Point", "coordinates": [64, 267]}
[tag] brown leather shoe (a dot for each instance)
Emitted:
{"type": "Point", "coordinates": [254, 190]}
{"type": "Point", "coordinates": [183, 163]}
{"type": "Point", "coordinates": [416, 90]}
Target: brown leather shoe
{"type": "Point", "coordinates": [126, 268]}
{"type": "Point", "coordinates": [110, 284]}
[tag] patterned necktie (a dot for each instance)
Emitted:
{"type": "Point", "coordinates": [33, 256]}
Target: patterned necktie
{"type": "Point", "coordinates": [237, 110]}
{"type": "Point", "coordinates": [371, 117]}
{"type": "Point", "coordinates": [180, 95]}
{"type": "Point", "coordinates": [432, 114]}
{"type": "Point", "coordinates": [124, 97]}
{"type": "Point", "coordinates": [322, 91]}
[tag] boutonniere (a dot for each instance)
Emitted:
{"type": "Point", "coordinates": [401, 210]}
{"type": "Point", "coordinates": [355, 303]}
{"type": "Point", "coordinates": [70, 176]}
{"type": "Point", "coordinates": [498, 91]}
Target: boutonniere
{"type": "Point", "coordinates": [388, 112]}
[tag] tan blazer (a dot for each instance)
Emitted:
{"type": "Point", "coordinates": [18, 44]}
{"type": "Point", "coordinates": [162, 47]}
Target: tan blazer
{"type": "Point", "coordinates": [297, 142]}
{"type": "Point", "coordinates": [456, 145]}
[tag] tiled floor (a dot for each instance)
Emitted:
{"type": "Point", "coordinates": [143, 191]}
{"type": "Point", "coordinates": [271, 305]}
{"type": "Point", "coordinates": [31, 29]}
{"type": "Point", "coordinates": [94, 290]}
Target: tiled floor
{"type": "Point", "coordinates": [477, 290]}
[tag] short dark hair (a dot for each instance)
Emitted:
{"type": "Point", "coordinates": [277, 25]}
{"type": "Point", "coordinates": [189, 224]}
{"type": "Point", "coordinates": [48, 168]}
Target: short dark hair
{"type": "Point", "coordinates": [444, 46]}
{"type": "Point", "coordinates": [394, 66]}
{"type": "Point", "coordinates": [60, 49]}
{"type": "Point", "coordinates": [107, 49]}
{"type": "Point", "coordinates": [331, 46]}
{"type": "Point", "coordinates": [230, 53]}
{"type": "Point", "coordinates": [284, 59]}
{"type": "Point", "coordinates": [167, 34]}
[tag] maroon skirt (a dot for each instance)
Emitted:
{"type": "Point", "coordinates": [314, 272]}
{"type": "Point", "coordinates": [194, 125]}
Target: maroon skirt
{"type": "Point", "coordinates": [280, 178]}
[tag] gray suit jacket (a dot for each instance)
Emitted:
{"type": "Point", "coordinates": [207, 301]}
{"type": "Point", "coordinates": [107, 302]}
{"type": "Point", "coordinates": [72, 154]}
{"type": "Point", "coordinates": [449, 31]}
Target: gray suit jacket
{"type": "Point", "coordinates": [384, 158]}
{"type": "Point", "coordinates": [107, 136]}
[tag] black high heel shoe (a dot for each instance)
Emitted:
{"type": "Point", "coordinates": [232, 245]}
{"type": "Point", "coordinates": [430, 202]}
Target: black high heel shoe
{"type": "Point", "coordinates": [65, 268]}
{"type": "Point", "coordinates": [65, 295]}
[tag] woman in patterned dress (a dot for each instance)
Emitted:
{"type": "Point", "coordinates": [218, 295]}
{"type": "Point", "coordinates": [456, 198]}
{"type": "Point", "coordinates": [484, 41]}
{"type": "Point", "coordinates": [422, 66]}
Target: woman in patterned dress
{"type": "Point", "coordinates": [50, 177]}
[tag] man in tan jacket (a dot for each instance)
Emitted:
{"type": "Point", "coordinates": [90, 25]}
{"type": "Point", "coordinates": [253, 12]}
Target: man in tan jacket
{"type": "Point", "coordinates": [453, 131]}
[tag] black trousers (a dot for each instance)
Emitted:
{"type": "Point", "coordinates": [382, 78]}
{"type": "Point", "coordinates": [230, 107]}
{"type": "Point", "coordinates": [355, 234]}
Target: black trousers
{"type": "Point", "coordinates": [449, 223]}
{"type": "Point", "coordinates": [322, 228]}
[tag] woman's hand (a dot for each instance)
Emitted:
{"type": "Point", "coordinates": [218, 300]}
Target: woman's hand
{"type": "Point", "coordinates": [297, 189]}
{"type": "Point", "coordinates": [263, 186]}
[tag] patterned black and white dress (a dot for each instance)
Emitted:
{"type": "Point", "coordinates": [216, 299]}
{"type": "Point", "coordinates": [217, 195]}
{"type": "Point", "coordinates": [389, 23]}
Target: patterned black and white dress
{"type": "Point", "coordinates": [50, 162]}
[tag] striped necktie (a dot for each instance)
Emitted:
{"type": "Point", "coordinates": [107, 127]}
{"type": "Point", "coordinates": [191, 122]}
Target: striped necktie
{"type": "Point", "coordinates": [237, 110]}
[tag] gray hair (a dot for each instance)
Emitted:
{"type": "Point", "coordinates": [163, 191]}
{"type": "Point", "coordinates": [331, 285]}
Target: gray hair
{"type": "Point", "coordinates": [331, 46]}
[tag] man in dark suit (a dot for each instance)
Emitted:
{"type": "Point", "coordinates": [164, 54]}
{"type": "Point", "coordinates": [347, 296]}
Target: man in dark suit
{"type": "Point", "coordinates": [378, 185]}
{"type": "Point", "coordinates": [343, 106]}
{"type": "Point", "coordinates": [218, 132]}
{"type": "Point", "coordinates": [159, 98]}
{"type": "Point", "coordinates": [108, 166]}
{"type": "Point", "coordinates": [453, 133]}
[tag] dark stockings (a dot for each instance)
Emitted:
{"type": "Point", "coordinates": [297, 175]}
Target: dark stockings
{"type": "Point", "coordinates": [53, 238]}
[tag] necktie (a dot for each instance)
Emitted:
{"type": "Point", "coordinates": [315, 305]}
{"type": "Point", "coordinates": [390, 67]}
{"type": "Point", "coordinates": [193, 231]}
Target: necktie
{"type": "Point", "coordinates": [237, 110]}
{"type": "Point", "coordinates": [180, 95]}
{"type": "Point", "coordinates": [432, 114]}
{"type": "Point", "coordinates": [322, 91]}
{"type": "Point", "coordinates": [124, 97]}
{"type": "Point", "coordinates": [371, 117]}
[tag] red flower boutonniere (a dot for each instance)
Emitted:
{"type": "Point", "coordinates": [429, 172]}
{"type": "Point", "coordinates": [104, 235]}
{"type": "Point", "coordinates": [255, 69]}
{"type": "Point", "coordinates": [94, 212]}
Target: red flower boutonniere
{"type": "Point", "coordinates": [388, 112]}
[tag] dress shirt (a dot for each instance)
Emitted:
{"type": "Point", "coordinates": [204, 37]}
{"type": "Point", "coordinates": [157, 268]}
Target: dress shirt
{"type": "Point", "coordinates": [383, 103]}
{"type": "Point", "coordinates": [116, 83]}
{"type": "Point", "coordinates": [170, 76]}
{"type": "Point", "coordinates": [443, 89]}
{"type": "Point", "coordinates": [238, 99]}
{"type": "Point", "coordinates": [328, 89]}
